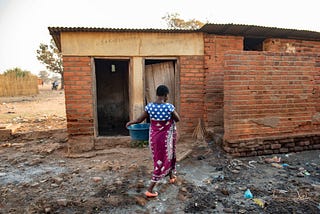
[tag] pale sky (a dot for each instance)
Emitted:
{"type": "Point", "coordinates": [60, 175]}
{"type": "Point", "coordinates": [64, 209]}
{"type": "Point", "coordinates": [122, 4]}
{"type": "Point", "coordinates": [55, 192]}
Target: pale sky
{"type": "Point", "coordinates": [24, 23]}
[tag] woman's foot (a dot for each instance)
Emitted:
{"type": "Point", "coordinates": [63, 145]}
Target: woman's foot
{"type": "Point", "coordinates": [151, 194]}
{"type": "Point", "coordinates": [172, 179]}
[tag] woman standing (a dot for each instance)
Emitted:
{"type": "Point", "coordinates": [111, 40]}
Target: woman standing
{"type": "Point", "coordinates": [162, 137]}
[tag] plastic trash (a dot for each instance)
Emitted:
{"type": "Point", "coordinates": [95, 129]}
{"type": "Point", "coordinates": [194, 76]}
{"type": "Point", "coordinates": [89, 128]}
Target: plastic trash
{"type": "Point", "coordinates": [250, 164]}
{"type": "Point", "coordinates": [259, 202]}
{"type": "Point", "coordinates": [248, 194]}
{"type": "Point", "coordinates": [275, 159]}
{"type": "Point", "coordinates": [306, 172]}
{"type": "Point", "coordinates": [303, 172]}
{"type": "Point", "coordinates": [279, 166]}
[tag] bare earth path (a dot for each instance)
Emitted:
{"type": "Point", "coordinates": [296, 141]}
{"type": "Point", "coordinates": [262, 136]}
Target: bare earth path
{"type": "Point", "coordinates": [37, 175]}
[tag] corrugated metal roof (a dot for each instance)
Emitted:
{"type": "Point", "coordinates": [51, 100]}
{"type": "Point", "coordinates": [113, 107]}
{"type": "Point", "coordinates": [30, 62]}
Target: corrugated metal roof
{"type": "Point", "coordinates": [219, 29]}
{"type": "Point", "coordinates": [99, 29]}
{"type": "Point", "coordinates": [259, 31]}
{"type": "Point", "coordinates": [55, 31]}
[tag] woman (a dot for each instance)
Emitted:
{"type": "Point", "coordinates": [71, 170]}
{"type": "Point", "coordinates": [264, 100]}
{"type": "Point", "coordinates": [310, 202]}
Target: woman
{"type": "Point", "coordinates": [162, 137]}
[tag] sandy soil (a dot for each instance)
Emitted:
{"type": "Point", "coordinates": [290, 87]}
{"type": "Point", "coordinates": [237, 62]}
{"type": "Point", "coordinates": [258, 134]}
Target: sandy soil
{"type": "Point", "coordinates": [37, 175]}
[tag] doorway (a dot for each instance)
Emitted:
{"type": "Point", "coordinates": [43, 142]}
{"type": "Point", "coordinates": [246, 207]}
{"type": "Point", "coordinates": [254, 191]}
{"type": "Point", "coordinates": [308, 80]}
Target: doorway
{"type": "Point", "coordinates": [160, 72]}
{"type": "Point", "coordinates": [112, 95]}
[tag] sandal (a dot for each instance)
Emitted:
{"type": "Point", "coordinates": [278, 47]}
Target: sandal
{"type": "Point", "coordinates": [150, 194]}
{"type": "Point", "coordinates": [173, 179]}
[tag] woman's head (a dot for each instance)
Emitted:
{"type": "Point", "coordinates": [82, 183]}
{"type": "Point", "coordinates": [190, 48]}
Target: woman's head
{"type": "Point", "coordinates": [162, 91]}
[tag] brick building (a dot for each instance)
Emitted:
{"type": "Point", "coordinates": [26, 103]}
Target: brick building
{"type": "Point", "coordinates": [258, 87]}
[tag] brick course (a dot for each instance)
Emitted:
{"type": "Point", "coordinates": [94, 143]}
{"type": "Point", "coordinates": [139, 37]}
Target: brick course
{"type": "Point", "coordinates": [270, 95]}
{"type": "Point", "coordinates": [214, 50]}
{"type": "Point", "coordinates": [191, 93]}
{"type": "Point", "coordinates": [264, 102]}
{"type": "Point", "coordinates": [291, 46]}
{"type": "Point", "coordinates": [78, 81]}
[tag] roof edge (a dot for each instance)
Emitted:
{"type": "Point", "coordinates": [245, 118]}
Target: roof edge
{"type": "Point", "coordinates": [209, 28]}
{"type": "Point", "coordinates": [56, 31]}
{"type": "Point", "coordinates": [101, 29]}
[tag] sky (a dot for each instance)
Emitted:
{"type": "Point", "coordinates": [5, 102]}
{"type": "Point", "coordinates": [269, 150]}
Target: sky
{"type": "Point", "coordinates": [24, 23]}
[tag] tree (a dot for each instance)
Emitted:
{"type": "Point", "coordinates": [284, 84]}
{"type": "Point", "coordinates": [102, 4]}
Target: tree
{"type": "Point", "coordinates": [175, 22]}
{"type": "Point", "coordinates": [44, 75]}
{"type": "Point", "coordinates": [50, 56]}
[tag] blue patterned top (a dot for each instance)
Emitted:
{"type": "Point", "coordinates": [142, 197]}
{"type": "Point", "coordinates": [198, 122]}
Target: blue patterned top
{"type": "Point", "coordinates": [159, 111]}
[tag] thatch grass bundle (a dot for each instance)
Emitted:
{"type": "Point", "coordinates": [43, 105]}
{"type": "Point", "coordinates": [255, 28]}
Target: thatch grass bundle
{"type": "Point", "coordinates": [12, 85]}
{"type": "Point", "coordinates": [199, 132]}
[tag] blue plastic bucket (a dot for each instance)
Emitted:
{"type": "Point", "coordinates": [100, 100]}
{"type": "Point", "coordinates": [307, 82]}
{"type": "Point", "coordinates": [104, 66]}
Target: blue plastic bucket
{"type": "Point", "coordinates": [139, 131]}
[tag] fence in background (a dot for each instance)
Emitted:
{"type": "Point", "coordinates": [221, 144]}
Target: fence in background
{"type": "Point", "coordinates": [11, 85]}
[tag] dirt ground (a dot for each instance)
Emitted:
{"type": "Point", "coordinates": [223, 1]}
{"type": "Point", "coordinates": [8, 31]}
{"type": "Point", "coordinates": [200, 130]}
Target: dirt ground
{"type": "Point", "coordinates": [37, 175]}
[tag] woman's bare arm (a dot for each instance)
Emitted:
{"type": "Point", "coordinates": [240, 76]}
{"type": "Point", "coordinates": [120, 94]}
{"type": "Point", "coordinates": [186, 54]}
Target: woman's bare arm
{"type": "Point", "coordinates": [175, 116]}
{"type": "Point", "coordinates": [141, 118]}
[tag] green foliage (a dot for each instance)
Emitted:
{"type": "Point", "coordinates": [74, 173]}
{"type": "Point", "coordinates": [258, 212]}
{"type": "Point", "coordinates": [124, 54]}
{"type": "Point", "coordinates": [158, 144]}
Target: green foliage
{"type": "Point", "coordinates": [174, 21]}
{"type": "Point", "coordinates": [44, 75]}
{"type": "Point", "coordinates": [139, 143]}
{"type": "Point", "coordinates": [50, 56]}
{"type": "Point", "coordinates": [17, 72]}
{"type": "Point", "coordinates": [18, 82]}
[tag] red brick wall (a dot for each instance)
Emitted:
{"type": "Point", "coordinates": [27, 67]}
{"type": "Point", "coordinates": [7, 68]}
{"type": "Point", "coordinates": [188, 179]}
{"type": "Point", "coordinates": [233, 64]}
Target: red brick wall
{"type": "Point", "coordinates": [214, 49]}
{"type": "Point", "coordinates": [271, 102]}
{"type": "Point", "coordinates": [316, 91]}
{"type": "Point", "coordinates": [79, 97]}
{"type": "Point", "coordinates": [78, 93]}
{"type": "Point", "coordinates": [259, 99]}
{"type": "Point", "coordinates": [191, 93]}
{"type": "Point", "coordinates": [291, 46]}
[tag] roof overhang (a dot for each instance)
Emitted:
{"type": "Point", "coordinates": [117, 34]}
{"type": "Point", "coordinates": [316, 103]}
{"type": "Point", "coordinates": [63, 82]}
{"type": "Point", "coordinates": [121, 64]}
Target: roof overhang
{"type": "Point", "coordinates": [260, 31]}
{"type": "Point", "coordinates": [56, 31]}
{"type": "Point", "coordinates": [218, 29]}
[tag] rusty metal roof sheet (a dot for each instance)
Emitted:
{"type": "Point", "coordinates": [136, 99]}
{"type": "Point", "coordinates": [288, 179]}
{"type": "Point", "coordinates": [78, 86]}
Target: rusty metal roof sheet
{"type": "Point", "coordinates": [219, 29]}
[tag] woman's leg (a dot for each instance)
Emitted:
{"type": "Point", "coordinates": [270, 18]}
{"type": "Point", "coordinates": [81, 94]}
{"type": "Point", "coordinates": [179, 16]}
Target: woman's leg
{"type": "Point", "coordinates": [151, 186]}
{"type": "Point", "coordinates": [172, 177]}
{"type": "Point", "coordinates": [149, 193]}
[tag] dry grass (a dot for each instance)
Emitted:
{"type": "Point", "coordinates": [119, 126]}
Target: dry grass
{"type": "Point", "coordinates": [199, 132]}
{"type": "Point", "coordinates": [17, 86]}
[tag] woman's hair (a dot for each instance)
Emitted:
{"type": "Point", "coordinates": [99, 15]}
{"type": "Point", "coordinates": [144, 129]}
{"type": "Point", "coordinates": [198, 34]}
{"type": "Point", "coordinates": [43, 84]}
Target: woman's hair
{"type": "Point", "coordinates": [162, 90]}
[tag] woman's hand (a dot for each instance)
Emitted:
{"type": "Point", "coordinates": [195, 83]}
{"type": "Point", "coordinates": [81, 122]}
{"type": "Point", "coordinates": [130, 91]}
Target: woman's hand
{"type": "Point", "coordinates": [129, 124]}
{"type": "Point", "coordinates": [141, 118]}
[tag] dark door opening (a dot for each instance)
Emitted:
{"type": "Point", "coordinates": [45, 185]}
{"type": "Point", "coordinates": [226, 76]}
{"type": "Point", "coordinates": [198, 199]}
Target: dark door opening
{"type": "Point", "coordinates": [112, 96]}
